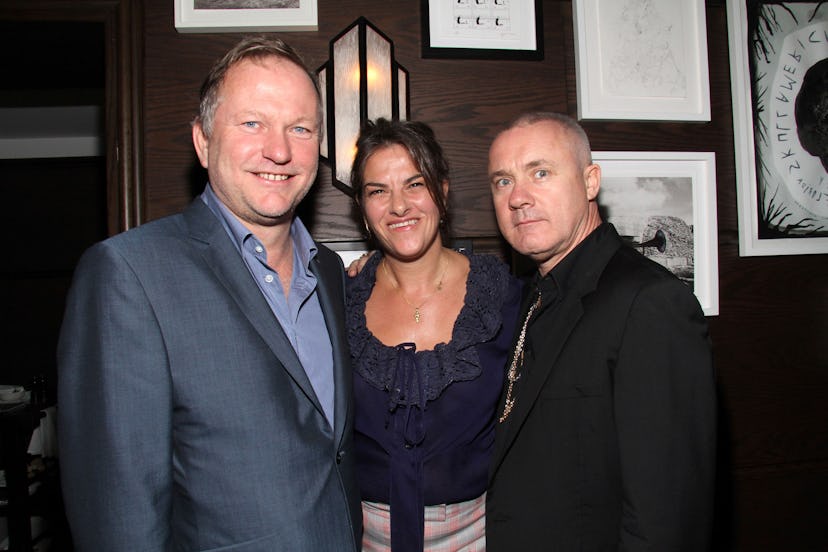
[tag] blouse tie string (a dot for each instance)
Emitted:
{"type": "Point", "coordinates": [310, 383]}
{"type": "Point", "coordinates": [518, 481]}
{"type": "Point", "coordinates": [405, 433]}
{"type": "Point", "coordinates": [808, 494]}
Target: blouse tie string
{"type": "Point", "coordinates": [406, 406]}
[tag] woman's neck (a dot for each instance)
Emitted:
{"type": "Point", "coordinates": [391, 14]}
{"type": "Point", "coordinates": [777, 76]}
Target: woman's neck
{"type": "Point", "coordinates": [417, 277]}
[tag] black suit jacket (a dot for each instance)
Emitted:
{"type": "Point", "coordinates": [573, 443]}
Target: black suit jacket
{"type": "Point", "coordinates": [610, 445]}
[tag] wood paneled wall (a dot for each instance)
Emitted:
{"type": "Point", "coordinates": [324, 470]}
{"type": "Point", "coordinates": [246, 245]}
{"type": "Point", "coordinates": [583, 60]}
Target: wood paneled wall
{"type": "Point", "coordinates": [770, 338]}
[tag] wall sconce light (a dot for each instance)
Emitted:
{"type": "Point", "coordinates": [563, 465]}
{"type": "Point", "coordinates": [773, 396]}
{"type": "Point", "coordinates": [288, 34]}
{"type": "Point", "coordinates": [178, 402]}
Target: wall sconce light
{"type": "Point", "coordinates": [360, 81]}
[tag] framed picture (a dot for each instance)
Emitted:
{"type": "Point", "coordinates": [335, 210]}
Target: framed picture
{"type": "Point", "coordinates": [779, 82]}
{"type": "Point", "coordinates": [235, 16]}
{"type": "Point", "coordinates": [348, 251]}
{"type": "Point", "coordinates": [641, 60]}
{"type": "Point", "coordinates": [664, 204]}
{"type": "Point", "coordinates": [482, 29]}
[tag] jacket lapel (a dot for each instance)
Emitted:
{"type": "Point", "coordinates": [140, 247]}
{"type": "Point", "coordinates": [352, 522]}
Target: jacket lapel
{"type": "Point", "coordinates": [549, 338]}
{"type": "Point", "coordinates": [330, 288]}
{"type": "Point", "coordinates": [547, 343]}
{"type": "Point", "coordinates": [222, 257]}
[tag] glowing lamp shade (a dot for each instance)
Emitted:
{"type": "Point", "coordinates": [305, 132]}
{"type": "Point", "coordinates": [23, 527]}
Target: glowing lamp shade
{"type": "Point", "coordinates": [361, 81]}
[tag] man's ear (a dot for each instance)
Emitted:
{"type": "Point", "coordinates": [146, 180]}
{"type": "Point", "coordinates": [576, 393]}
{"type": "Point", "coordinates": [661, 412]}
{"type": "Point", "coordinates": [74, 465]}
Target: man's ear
{"type": "Point", "coordinates": [200, 142]}
{"type": "Point", "coordinates": [592, 177]}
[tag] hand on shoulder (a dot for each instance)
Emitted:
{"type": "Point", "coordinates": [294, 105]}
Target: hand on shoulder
{"type": "Point", "coordinates": [358, 264]}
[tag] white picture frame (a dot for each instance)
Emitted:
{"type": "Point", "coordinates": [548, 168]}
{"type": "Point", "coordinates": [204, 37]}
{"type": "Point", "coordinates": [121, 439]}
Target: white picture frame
{"type": "Point", "coordinates": [482, 29]}
{"type": "Point", "coordinates": [763, 199]}
{"type": "Point", "coordinates": [348, 251]}
{"type": "Point", "coordinates": [191, 19]}
{"type": "Point", "coordinates": [641, 60]}
{"type": "Point", "coordinates": [643, 193]}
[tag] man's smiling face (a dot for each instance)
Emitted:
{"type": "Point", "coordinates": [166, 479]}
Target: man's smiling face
{"type": "Point", "coordinates": [262, 155]}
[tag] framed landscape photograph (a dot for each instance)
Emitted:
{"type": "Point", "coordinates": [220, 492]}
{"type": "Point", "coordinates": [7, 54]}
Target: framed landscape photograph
{"type": "Point", "coordinates": [779, 85]}
{"type": "Point", "coordinates": [236, 16]}
{"type": "Point", "coordinates": [641, 60]}
{"type": "Point", "coordinates": [482, 29]}
{"type": "Point", "coordinates": [664, 205]}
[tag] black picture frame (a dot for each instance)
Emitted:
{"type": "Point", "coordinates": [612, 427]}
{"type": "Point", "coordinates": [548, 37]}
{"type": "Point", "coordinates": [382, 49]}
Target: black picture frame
{"type": "Point", "coordinates": [494, 53]}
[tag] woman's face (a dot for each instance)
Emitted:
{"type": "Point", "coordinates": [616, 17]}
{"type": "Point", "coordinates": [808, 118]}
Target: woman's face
{"type": "Point", "coordinates": [397, 205]}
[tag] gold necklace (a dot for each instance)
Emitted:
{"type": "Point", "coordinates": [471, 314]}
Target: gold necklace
{"type": "Point", "coordinates": [416, 308]}
{"type": "Point", "coordinates": [517, 362]}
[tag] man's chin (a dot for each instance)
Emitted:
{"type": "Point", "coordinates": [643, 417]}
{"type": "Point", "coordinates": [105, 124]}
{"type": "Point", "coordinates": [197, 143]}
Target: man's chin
{"type": "Point", "coordinates": [527, 248]}
{"type": "Point", "coordinates": [273, 217]}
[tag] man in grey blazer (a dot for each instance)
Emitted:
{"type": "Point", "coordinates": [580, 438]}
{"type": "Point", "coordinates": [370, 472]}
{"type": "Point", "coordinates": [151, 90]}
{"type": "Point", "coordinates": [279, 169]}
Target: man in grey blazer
{"type": "Point", "coordinates": [204, 391]}
{"type": "Point", "coordinates": [606, 433]}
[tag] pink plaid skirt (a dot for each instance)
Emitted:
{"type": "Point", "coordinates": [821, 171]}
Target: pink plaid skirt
{"type": "Point", "coordinates": [448, 527]}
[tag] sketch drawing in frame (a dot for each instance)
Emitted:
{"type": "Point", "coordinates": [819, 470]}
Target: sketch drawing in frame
{"type": "Point", "coordinates": [217, 16]}
{"type": "Point", "coordinates": [641, 60]}
{"type": "Point", "coordinates": [482, 29]}
{"type": "Point", "coordinates": [664, 205]}
{"type": "Point", "coordinates": [779, 81]}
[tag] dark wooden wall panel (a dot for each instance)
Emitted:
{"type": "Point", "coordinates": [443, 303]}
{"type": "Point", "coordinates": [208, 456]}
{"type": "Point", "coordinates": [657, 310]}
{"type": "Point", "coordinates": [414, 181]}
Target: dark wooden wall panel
{"type": "Point", "coordinates": [769, 340]}
{"type": "Point", "coordinates": [781, 510]}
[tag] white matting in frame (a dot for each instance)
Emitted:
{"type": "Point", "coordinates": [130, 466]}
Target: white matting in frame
{"type": "Point", "coordinates": [664, 203]}
{"type": "Point", "coordinates": [782, 189]}
{"type": "Point", "coordinates": [237, 16]}
{"type": "Point", "coordinates": [482, 29]}
{"type": "Point", "coordinates": [348, 251]}
{"type": "Point", "coordinates": [641, 60]}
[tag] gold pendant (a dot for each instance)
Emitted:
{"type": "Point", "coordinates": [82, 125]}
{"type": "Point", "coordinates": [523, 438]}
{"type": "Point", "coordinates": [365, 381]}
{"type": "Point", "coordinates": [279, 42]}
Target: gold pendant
{"type": "Point", "coordinates": [416, 315]}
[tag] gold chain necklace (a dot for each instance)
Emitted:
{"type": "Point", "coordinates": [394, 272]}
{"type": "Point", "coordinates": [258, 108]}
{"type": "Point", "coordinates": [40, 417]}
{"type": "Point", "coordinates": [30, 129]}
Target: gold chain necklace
{"type": "Point", "coordinates": [517, 362]}
{"type": "Point", "coordinates": [396, 286]}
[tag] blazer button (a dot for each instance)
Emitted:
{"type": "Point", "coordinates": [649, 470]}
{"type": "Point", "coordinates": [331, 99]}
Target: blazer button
{"type": "Point", "coordinates": [339, 456]}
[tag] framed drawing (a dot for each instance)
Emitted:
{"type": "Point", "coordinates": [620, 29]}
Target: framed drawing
{"type": "Point", "coordinates": [641, 60]}
{"type": "Point", "coordinates": [482, 29]}
{"type": "Point", "coordinates": [237, 16]}
{"type": "Point", "coordinates": [779, 85]}
{"type": "Point", "coordinates": [664, 204]}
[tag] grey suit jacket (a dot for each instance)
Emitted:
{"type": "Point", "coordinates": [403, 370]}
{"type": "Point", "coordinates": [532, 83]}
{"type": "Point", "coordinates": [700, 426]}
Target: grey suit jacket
{"type": "Point", "coordinates": [186, 421]}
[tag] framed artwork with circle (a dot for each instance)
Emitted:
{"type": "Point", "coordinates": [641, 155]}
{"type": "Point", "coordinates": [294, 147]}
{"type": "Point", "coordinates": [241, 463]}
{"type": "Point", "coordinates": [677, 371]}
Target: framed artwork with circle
{"type": "Point", "coordinates": [779, 79]}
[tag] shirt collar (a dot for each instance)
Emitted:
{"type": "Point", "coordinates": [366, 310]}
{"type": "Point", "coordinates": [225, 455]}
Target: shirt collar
{"type": "Point", "coordinates": [303, 243]}
{"type": "Point", "coordinates": [557, 280]}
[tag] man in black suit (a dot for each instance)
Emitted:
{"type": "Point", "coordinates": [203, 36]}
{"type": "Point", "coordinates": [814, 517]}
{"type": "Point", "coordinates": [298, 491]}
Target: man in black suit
{"type": "Point", "coordinates": [606, 438]}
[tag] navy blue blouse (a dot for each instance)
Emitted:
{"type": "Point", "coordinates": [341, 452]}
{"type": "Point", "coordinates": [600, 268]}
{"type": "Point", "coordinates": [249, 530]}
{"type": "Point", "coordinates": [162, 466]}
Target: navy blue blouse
{"type": "Point", "coordinates": [425, 419]}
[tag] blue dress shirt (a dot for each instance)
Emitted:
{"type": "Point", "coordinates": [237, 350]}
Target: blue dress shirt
{"type": "Point", "coordinates": [300, 313]}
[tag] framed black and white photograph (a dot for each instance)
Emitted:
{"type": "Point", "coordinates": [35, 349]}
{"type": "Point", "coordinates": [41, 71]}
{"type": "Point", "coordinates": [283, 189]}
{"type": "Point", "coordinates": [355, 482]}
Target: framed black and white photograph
{"type": "Point", "coordinates": [234, 16]}
{"type": "Point", "coordinates": [779, 85]}
{"type": "Point", "coordinates": [641, 60]}
{"type": "Point", "coordinates": [482, 29]}
{"type": "Point", "coordinates": [664, 205]}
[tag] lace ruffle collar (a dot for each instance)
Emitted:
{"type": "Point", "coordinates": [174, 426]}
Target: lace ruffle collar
{"type": "Point", "coordinates": [479, 321]}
